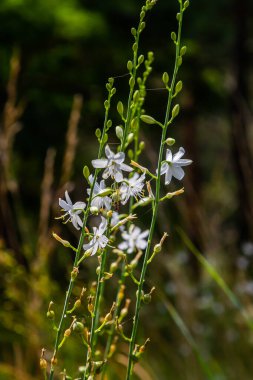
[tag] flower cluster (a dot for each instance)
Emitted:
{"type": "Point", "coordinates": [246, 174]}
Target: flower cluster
{"type": "Point", "coordinates": [125, 188]}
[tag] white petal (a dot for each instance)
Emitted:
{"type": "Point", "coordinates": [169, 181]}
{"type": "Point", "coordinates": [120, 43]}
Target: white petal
{"type": "Point", "coordinates": [179, 154]}
{"type": "Point", "coordinates": [68, 198]}
{"type": "Point", "coordinates": [94, 249]}
{"type": "Point", "coordinates": [168, 155]}
{"type": "Point", "coordinates": [168, 176]}
{"type": "Point", "coordinates": [119, 157]}
{"type": "Point", "coordinates": [177, 172]}
{"type": "Point", "coordinates": [141, 244]}
{"type": "Point", "coordinates": [108, 152]}
{"type": "Point", "coordinates": [64, 205]}
{"type": "Point", "coordinates": [74, 221]}
{"type": "Point", "coordinates": [126, 168]}
{"type": "Point", "coordinates": [100, 163]}
{"type": "Point", "coordinates": [79, 221]}
{"type": "Point", "coordinates": [79, 205]}
{"type": "Point", "coordinates": [123, 245]}
{"type": "Point", "coordinates": [144, 234]}
{"type": "Point", "coordinates": [118, 176]}
{"type": "Point", "coordinates": [164, 167]}
{"type": "Point", "coordinates": [183, 162]}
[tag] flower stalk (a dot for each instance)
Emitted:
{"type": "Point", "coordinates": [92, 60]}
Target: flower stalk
{"type": "Point", "coordinates": [178, 61]}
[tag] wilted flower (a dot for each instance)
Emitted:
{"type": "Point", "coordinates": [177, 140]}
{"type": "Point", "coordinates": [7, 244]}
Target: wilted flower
{"type": "Point", "coordinates": [172, 167]}
{"type": "Point", "coordinates": [99, 201]}
{"type": "Point", "coordinates": [113, 164]}
{"type": "Point", "coordinates": [134, 238]}
{"type": "Point", "coordinates": [72, 210]}
{"type": "Point", "coordinates": [132, 187]}
{"type": "Point", "coordinates": [99, 240]}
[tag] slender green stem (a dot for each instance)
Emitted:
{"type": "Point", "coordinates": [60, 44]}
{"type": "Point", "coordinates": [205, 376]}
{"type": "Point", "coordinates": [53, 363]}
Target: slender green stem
{"type": "Point", "coordinates": [156, 203]}
{"type": "Point", "coordinates": [78, 251]}
{"type": "Point", "coordinates": [95, 317]}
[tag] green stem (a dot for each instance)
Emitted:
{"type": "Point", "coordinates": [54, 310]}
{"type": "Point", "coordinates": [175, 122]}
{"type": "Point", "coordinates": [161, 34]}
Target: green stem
{"type": "Point", "coordinates": [79, 248]}
{"type": "Point", "coordinates": [156, 204]}
{"type": "Point", "coordinates": [95, 317]}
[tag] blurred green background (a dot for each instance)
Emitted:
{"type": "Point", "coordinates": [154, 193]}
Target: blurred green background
{"type": "Point", "coordinates": [55, 57]}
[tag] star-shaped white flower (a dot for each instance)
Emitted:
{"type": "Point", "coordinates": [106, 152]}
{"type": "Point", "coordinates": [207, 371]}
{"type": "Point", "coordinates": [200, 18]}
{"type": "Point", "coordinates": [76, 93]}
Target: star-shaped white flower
{"type": "Point", "coordinates": [113, 164]}
{"type": "Point", "coordinates": [72, 210]}
{"type": "Point", "coordinates": [134, 238]}
{"type": "Point", "coordinates": [97, 201]}
{"type": "Point", "coordinates": [172, 167]}
{"type": "Point", "coordinates": [99, 240]}
{"type": "Point", "coordinates": [132, 187]}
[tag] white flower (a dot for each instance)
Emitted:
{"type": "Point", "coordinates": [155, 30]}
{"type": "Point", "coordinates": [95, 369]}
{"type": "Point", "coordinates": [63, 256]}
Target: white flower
{"type": "Point", "coordinates": [72, 210]}
{"type": "Point", "coordinates": [99, 240]}
{"type": "Point", "coordinates": [172, 166]}
{"type": "Point", "coordinates": [132, 187]}
{"type": "Point", "coordinates": [134, 238]}
{"type": "Point", "coordinates": [113, 164]}
{"type": "Point", "coordinates": [97, 201]}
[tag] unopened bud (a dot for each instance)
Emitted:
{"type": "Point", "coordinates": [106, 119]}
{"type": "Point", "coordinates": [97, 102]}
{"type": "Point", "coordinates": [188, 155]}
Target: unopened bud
{"type": "Point", "coordinates": [130, 138]}
{"type": "Point", "coordinates": [119, 132]}
{"type": "Point", "coordinates": [94, 210]}
{"type": "Point", "coordinates": [129, 65]}
{"type": "Point", "coordinates": [175, 111]}
{"type": "Point", "coordinates": [165, 78]}
{"type": "Point", "coordinates": [148, 119]}
{"type": "Point", "coordinates": [50, 314]}
{"type": "Point", "coordinates": [120, 108]}
{"type": "Point", "coordinates": [170, 141]}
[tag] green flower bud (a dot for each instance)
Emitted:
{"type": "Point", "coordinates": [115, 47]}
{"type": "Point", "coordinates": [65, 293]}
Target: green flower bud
{"type": "Point", "coordinates": [119, 132]}
{"type": "Point", "coordinates": [86, 172]}
{"type": "Point", "coordinates": [131, 82]}
{"type": "Point", "coordinates": [157, 248]}
{"type": "Point", "coordinates": [133, 31]}
{"type": "Point", "coordinates": [165, 78]}
{"type": "Point", "coordinates": [173, 36]}
{"type": "Point", "coordinates": [130, 138]}
{"type": "Point", "coordinates": [109, 124]}
{"type": "Point", "coordinates": [148, 119]}
{"type": "Point", "coordinates": [175, 111]}
{"type": "Point", "coordinates": [129, 65]}
{"type": "Point", "coordinates": [170, 141]}
{"type": "Point", "coordinates": [140, 59]}
{"type": "Point", "coordinates": [120, 108]}
{"type": "Point", "coordinates": [50, 314]}
{"type": "Point", "coordinates": [98, 270]}
{"type": "Point", "coordinates": [98, 133]}
{"type": "Point", "coordinates": [130, 154]}
{"type": "Point", "coordinates": [179, 86]}
{"type": "Point", "coordinates": [186, 4]}
{"type": "Point", "coordinates": [142, 145]}
{"type": "Point", "coordinates": [183, 50]}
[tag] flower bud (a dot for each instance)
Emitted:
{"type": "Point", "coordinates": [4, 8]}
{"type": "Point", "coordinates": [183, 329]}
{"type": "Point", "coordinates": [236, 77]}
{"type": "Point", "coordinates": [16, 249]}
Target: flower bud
{"type": "Point", "coordinates": [183, 50]}
{"type": "Point", "coordinates": [63, 242]}
{"type": "Point", "coordinates": [98, 270]}
{"type": "Point", "coordinates": [173, 36]}
{"type": "Point", "coordinates": [157, 248]}
{"type": "Point", "coordinates": [94, 210]}
{"type": "Point", "coordinates": [165, 78]}
{"type": "Point", "coordinates": [142, 145]}
{"type": "Point", "coordinates": [86, 172]}
{"type": "Point", "coordinates": [98, 133]}
{"type": "Point", "coordinates": [175, 111]}
{"type": "Point", "coordinates": [130, 138]}
{"type": "Point", "coordinates": [148, 119]}
{"type": "Point", "coordinates": [179, 86]}
{"type": "Point", "coordinates": [119, 132]}
{"type": "Point", "coordinates": [170, 141]}
{"type": "Point", "coordinates": [120, 108]}
{"type": "Point", "coordinates": [50, 314]}
{"type": "Point", "coordinates": [129, 65]}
